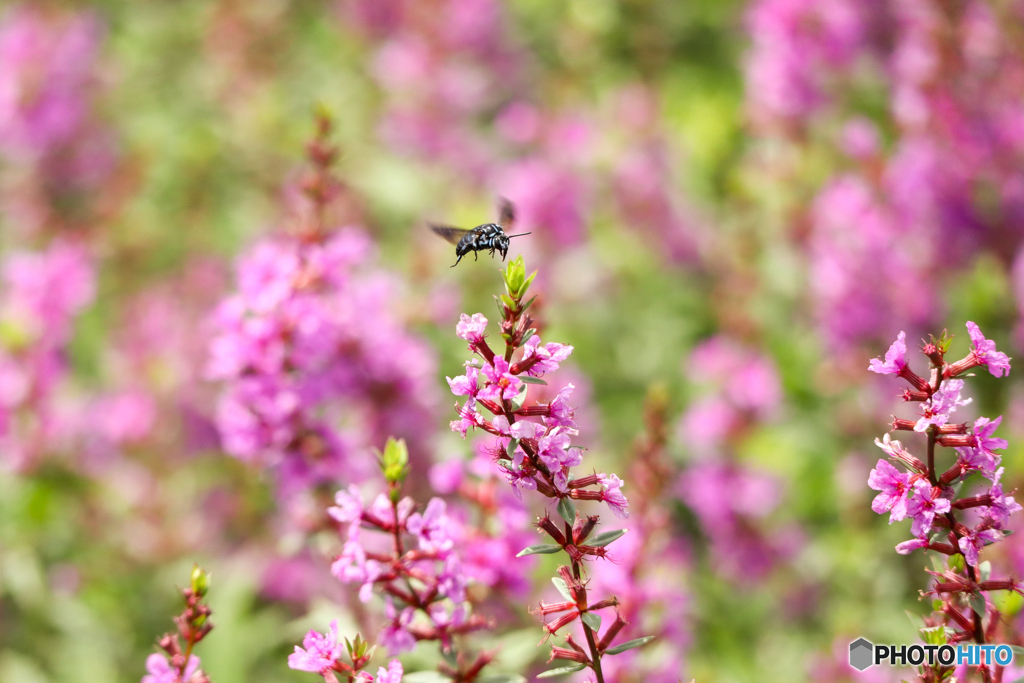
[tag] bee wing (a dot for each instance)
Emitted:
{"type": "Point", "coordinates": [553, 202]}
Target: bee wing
{"type": "Point", "coordinates": [449, 233]}
{"type": "Point", "coordinates": [506, 213]}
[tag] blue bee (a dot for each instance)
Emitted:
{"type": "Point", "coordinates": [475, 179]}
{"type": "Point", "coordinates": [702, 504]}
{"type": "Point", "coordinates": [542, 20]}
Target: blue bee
{"type": "Point", "coordinates": [483, 237]}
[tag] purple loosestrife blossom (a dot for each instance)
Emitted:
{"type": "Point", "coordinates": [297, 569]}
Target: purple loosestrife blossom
{"type": "Point", "coordinates": [409, 557]}
{"type": "Point", "coordinates": [930, 496]}
{"type": "Point", "coordinates": [310, 341]}
{"type": "Point", "coordinates": [42, 294]}
{"type": "Point", "coordinates": [539, 456]}
{"type": "Point", "coordinates": [731, 501]}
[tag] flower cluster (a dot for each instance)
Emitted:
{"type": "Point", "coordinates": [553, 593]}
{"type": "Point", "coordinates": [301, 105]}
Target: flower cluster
{"type": "Point", "coordinates": [412, 561]}
{"type": "Point", "coordinates": [309, 344]}
{"type": "Point", "coordinates": [53, 151]}
{"type": "Point", "coordinates": [732, 501]}
{"type": "Point", "coordinates": [42, 294]}
{"type": "Point", "coordinates": [322, 653]}
{"type": "Point", "coordinates": [942, 520]}
{"type": "Point", "coordinates": [177, 665]}
{"type": "Point", "coordinates": [892, 218]}
{"type": "Point", "coordinates": [538, 455]}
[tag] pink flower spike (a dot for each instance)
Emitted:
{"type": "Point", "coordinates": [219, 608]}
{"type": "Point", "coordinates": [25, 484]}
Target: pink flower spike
{"type": "Point", "coordinates": [895, 358]}
{"type": "Point", "coordinates": [998, 363]}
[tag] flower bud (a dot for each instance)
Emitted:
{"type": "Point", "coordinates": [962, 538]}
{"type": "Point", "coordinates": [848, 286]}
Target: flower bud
{"type": "Point", "coordinates": [200, 581]}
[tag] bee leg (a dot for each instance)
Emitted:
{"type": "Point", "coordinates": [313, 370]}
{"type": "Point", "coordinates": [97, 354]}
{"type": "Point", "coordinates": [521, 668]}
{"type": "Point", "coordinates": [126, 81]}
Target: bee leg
{"type": "Point", "coordinates": [476, 255]}
{"type": "Point", "coordinates": [457, 261]}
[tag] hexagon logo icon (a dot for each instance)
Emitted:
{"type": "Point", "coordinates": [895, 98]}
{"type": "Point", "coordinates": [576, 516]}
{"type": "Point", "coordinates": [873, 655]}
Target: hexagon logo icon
{"type": "Point", "coordinates": [861, 652]}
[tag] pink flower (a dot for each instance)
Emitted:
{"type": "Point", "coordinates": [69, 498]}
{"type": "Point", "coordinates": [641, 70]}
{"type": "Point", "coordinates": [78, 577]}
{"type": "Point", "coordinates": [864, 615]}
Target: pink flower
{"type": "Point", "coordinates": [923, 506]}
{"type": "Point", "coordinates": [348, 506]}
{"type": "Point", "coordinates": [472, 329]}
{"type": "Point", "coordinates": [501, 384]}
{"type": "Point", "coordinates": [468, 417]}
{"type": "Point", "coordinates": [318, 653]}
{"type": "Point", "coordinates": [937, 409]}
{"type": "Point", "coordinates": [998, 363]}
{"type": "Point", "coordinates": [982, 457]}
{"type": "Point", "coordinates": [393, 674]}
{"type": "Point", "coordinates": [910, 546]}
{"type": "Point", "coordinates": [895, 488]}
{"type": "Point", "coordinates": [972, 544]}
{"type": "Point", "coordinates": [895, 358]}
{"type": "Point", "coordinates": [1002, 506]}
{"type": "Point", "coordinates": [561, 413]}
{"type": "Point", "coordinates": [613, 495]}
{"type": "Point", "coordinates": [432, 528]}
{"type": "Point", "coordinates": [465, 385]}
{"type": "Point", "coordinates": [160, 670]}
{"type": "Point", "coordinates": [550, 355]}
{"type": "Point", "coordinates": [395, 636]}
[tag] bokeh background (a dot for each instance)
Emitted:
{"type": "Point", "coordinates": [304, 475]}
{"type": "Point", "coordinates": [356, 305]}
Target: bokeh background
{"type": "Point", "coordinates": [733, 205]}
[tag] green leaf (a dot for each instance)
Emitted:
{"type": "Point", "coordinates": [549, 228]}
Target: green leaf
{"type": "Point", "coordinates": [425, 677]}
{"type": "Point", "coordinates": [527, 305]}
{"type": "Point", "coordinates": [563, 588]}
{"type": "Point", "coordinates": [527, 283]}
{"type": "Point", "coordinates": [593, 620]}
{"type": "Point", "coordinates": [510, 449]}
{"type": "Point", "coordinates": [984, 570]}
{"type": "Point", "coordinates": [560, 671]}
{"type": "Point", "coordinates": [529, 333]}
{"type": "Point", "coordinates": [520, 398]}
{"type": "Point", "coordinates": [977, 603]}
{"type": "Point", "coordinates": [567, 509]}
{"type": "Point", "coordinates": [1018, 651]}
{"type": "Point", "coordinates": [507, 301]}
{"type": "Point", "coordinates": [628, 645]}
{"type": "Point", "coordinates": [956, 562]}
{"type": "Point", "coordinates": [502, 678]}
{"type": "Point", "coordinates": [604, 538]}
{"type": "Point", "coordinates": [526, 379]}
{"type": "Point", "coordinates": [936, 635]}
{"type": "Point", "coordinates": [540, 549]}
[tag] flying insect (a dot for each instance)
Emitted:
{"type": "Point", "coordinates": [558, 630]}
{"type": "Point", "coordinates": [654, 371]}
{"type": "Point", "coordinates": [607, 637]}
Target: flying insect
{"type": "Point", "coordinates": [488, 236]}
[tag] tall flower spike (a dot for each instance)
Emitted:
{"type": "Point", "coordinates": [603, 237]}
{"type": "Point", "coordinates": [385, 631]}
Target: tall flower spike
{"type": "Point", "coordinates": [927, 495]}
{"type": "Point", "coordinates": [540, 456]}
